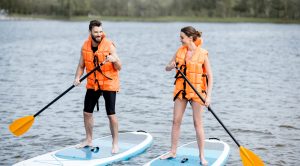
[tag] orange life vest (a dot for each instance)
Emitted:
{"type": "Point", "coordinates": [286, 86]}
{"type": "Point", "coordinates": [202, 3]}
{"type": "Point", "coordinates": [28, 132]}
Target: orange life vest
{"type": "Point", "coordinates": [194, 71]}
{"type": "Point", "coordinates": [107, 78]}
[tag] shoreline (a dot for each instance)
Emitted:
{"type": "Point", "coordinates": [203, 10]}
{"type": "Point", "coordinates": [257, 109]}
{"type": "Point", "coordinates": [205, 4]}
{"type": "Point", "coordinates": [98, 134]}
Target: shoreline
{"type": "Point", "coordinates": [15, 17]}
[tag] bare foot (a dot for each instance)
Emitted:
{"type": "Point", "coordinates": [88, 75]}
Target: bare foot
{"type": "Point", "coordinates": [84, 144]}
{"type": "Point", "coordinates": [203, 162]}
{"type": "Point", "coordinates": [115, 149]}
{"type": "Point", "coordinates": [168, 156]}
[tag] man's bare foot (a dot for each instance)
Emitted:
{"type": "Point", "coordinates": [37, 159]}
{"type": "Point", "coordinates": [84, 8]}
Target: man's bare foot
{"type": "Point", "coordinates": [168, 156]}
{"type": "Point", "coordinates": [115, 149]}
{"type": "Point", "coordinates": [84, 144]}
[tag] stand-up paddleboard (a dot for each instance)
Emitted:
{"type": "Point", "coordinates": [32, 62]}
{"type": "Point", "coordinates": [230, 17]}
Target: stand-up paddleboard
{"type": "Point", "coordinates": [130, 144]}
{"type": "Point", "coordinates": [216, 153]}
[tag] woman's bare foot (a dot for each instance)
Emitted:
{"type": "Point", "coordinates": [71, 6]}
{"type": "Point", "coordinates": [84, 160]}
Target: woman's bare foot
{"type": "Point", "coordinates": [115, 149]}
{"type": "Point", "coordinates": [168, 156]}
{"type": "Point", "coordinates": [203, 161]}
{"type": "Point", "coordinates": [84, 144]}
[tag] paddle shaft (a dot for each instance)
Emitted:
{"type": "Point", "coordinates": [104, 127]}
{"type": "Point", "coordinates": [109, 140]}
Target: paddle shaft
{"type": "Point", "coordinates": [71, 87]}
{"type": "Point", "coordinates": [209, 108]}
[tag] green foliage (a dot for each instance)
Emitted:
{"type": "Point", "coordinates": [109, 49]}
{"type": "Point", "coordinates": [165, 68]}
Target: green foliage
{"type": "Point", "coordinates": [287, 9]}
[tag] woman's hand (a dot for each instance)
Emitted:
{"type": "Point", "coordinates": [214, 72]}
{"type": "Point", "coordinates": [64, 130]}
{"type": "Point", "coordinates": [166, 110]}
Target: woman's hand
{"type": "Point", "coordinates": [207, 101]}
{"type": "Point", "coordinates": [171, 66]}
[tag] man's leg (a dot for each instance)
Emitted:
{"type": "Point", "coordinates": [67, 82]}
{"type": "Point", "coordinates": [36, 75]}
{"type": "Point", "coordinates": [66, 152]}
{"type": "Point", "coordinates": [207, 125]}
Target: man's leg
{"type": "Point", "coordinates": [114, 128]}
{"type": "Point", "coordinates": [110, 102]}
{"type": "Point", "coordinates": [88, 125]}
{"type": "Point", "coordinates": [90, 101]}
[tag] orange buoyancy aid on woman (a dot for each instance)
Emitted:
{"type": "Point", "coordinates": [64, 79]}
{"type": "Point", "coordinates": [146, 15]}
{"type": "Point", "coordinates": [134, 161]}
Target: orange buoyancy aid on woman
{"type": "Point", "coordinates": [194, 71]}
{"type": "Point", "coordinates": [107, 78]}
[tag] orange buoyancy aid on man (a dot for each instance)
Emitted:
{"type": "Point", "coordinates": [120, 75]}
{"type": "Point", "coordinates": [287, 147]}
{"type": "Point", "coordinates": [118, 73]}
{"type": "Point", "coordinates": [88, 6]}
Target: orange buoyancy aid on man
{"type": "Point", "coordinates": [107, 78]}
{"type": "Point", "coordinates": [194, 71]}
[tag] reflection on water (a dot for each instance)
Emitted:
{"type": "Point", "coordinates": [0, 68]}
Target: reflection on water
{"type": "Point", "coordinates": [256, 88]}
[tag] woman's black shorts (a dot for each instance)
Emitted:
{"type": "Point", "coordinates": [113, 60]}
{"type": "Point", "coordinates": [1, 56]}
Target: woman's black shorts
{"type": "Point", "coordinates": [91, 98]}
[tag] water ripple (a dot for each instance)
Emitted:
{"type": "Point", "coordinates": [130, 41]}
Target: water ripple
{"type": "Point", "coordinates": [256, 94]}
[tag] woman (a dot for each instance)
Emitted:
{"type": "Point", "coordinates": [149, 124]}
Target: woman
{"type": "Point", "coordinates": [193, 61]}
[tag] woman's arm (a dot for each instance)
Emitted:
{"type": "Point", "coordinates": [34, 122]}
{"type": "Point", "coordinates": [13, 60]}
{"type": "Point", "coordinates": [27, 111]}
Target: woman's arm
{"type": "Point", "coordinates": [210, 80]}
{"type": "Point", "coordinates": [171, 65]}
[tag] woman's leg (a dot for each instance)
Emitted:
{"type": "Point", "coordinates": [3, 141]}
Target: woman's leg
{"type": "Point", "coordinates": [179, 108]}
{"type": "Point", "coordinates": [197, 116]}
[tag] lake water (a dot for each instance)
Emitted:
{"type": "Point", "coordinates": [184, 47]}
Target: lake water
{"type": "Point", "coordinates": [256, 89]}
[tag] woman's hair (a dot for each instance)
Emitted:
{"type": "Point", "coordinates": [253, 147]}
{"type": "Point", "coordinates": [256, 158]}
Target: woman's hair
{"type": "Point", "coordinates": [191, 31]}
{"type": "Point", "coordinates": [94, 23]}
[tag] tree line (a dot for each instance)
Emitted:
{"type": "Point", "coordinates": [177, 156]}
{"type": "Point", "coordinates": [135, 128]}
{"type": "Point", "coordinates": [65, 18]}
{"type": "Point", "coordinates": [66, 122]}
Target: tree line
{"type": "Point", "coordinates": [287, 9]}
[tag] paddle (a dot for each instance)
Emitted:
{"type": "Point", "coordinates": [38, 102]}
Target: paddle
{"type": "Point", "coordinates": [21, 125]}
{"type": "Point", "coordinates": [247, 156]}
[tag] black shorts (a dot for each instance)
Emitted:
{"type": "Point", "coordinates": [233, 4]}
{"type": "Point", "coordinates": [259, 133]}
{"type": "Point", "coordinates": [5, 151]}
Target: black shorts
{"type": "Point", "coordinates": [91, 98]}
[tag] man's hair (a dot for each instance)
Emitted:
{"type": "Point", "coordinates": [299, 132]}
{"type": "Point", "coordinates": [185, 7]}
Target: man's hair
{"type": "Point", "coordinates": [94, 23]}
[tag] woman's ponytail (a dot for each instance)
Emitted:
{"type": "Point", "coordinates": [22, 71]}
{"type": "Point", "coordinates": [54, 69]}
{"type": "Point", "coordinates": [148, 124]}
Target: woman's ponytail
{"type": "Point", "coordinates": [191, 31]}
{"type": "Point", "coordinates": [199, 34]}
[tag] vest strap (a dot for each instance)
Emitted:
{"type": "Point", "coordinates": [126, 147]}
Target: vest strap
{"type": "Point", "coordinates": [96, 64]}
{"type": "Point", "coordinates": [184, 82]}
{"type": "Point", "coordinates": [178, 93]}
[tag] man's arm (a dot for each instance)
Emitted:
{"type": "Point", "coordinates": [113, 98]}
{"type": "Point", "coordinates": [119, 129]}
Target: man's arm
{"type": "Point", "coordinates": [113, 57]}
{"type": "Point", "coordinates": [79, 71]}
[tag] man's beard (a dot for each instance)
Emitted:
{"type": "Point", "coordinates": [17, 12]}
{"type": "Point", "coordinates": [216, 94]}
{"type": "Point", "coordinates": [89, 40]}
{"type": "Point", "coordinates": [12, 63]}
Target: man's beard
{"type": "Point", "coordinates": [95, 40]}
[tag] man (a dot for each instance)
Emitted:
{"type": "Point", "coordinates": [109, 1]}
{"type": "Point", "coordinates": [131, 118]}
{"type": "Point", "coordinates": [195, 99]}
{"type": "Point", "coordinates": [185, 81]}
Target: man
{"type": "Point", "coordinates": [105, 81]}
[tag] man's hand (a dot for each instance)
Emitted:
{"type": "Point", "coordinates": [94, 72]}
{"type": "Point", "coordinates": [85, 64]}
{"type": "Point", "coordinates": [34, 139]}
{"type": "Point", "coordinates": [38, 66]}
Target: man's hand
{"type": "Point", "coordinates": [76, 82]}
{"type": "Point", "coordinates": [112, 58]}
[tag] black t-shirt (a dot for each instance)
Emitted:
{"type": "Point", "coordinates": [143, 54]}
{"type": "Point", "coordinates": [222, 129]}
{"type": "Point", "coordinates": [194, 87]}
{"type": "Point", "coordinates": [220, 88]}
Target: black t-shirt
{"type": "Point", "coordinates": [94, 49]}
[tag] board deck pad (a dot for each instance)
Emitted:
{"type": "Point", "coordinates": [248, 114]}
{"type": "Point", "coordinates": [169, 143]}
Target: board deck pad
{"type": "Point", "coordinates": [105, 146]}
{"type": "Point", "coordinates": [216, 153]}
{"type": "Point", "coordinates": [131, 144]}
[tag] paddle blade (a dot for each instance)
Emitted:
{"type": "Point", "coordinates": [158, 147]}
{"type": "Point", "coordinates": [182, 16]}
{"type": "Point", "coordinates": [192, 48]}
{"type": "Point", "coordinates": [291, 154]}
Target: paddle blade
{"type": "Point", "coordinates": [249, 158]}
{"type": "Point", "coordinates": [21, 125]}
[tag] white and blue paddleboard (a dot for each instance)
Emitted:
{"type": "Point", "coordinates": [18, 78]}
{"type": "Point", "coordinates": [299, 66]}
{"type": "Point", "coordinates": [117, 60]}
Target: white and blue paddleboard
{"type": "Point", "coordinates": [216, 153]}
{"type": "Point", "coordinates": [130, 144]}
